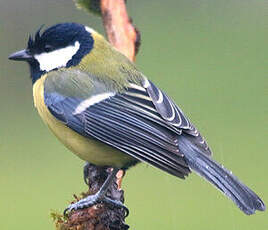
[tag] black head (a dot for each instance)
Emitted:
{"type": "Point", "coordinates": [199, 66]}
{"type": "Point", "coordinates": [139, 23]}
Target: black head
{"type": "Point", "coordinates": [62, 45]}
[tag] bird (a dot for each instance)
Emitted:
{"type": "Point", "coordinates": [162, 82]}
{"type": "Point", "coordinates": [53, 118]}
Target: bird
{"type": "Point", "coordinates": [108, 113]}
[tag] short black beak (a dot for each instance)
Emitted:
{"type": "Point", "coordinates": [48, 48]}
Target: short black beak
{"type": "Point", "coordinates": [22, 55]}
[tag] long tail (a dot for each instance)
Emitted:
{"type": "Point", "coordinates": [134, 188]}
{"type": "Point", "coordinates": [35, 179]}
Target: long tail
{"type": "Point", "coordinates": [216, 174]}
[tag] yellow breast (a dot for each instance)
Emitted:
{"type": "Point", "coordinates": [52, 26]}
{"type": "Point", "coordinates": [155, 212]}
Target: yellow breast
{"type": "Point", "coordinates": [87, 149]}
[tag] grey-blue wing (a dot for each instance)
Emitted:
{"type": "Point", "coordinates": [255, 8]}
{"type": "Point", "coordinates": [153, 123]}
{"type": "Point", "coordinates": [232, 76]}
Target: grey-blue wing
{"type": "Point", "coordinates": [134, 121]}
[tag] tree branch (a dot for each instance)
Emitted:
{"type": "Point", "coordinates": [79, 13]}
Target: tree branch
{"type": "Point", "coordinates": [119, 28]}
{"type": "Point", "coordinates": [125, 37]}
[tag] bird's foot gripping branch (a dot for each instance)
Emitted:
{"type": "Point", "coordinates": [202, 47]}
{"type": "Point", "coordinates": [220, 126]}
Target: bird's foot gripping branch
{"type": "Point", "coordinates": [101, 216]}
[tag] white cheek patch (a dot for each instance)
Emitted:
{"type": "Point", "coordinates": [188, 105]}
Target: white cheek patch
{"type": "Point", "coordinates": [91, 101]}
{"type": "Point", "coordinates": [57, 58]}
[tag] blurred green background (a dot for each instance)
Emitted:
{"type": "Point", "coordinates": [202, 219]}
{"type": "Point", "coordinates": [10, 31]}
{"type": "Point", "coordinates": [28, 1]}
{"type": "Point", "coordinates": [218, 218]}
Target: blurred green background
{"type": "Point", "coordinates": [210, 56]}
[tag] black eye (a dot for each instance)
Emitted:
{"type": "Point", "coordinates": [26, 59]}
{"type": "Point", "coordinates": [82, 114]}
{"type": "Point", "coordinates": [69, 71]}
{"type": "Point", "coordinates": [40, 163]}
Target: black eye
{"type": "Point", "coordinates": [48, 48]}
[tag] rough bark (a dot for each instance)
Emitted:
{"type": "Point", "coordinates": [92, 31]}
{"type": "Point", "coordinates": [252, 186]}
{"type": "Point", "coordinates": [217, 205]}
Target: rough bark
{"type": "Point", "coordinates": [119, 28]}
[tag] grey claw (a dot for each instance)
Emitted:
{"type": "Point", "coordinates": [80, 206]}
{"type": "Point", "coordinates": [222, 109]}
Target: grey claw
{"type": "Point", "coordinates": [116, 204]}
{"type": "Point", "coordinates": [92, 200]}
{"type": "Point", "coordinates": [84, 203]}
{"type": "Point", "coordinates": [67, 210]}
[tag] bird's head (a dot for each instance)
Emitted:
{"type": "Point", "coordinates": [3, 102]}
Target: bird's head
{"type": "Point", "coordinates": [60, 46]}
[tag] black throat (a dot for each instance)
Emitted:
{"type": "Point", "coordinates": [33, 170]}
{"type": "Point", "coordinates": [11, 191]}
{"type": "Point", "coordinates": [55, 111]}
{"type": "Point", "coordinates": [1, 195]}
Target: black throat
{"type": "Point", "coordinates": [35, 71]}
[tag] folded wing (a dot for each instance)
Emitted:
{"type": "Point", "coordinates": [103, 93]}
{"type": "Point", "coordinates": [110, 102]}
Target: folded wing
{"type": "Point", "coordinates": [139, 120]}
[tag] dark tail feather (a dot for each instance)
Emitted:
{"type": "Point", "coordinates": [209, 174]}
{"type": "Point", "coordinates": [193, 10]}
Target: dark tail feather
{"type": "Point", "coordinates": [216, 174]}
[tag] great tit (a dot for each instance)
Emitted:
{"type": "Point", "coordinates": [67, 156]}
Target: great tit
{"type": "Point", "coordinates": [101, 107]}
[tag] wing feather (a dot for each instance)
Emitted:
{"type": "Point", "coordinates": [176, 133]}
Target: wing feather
{"type": "Point", "coordinates": [135, 146]}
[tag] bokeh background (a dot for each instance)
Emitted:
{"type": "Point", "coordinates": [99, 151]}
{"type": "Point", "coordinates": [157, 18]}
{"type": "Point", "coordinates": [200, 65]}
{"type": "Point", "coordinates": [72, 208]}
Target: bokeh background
{"type": "Point", "coordinates": [210, 56]}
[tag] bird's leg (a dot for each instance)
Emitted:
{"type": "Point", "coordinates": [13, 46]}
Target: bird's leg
{"type": "Point", "coordinates": [99, 197]}
{"type": "Point", "coordinates": [86, 173]}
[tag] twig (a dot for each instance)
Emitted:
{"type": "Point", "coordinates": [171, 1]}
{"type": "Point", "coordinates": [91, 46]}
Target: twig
{"type": "Point", "coordinates": [119, 28]}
